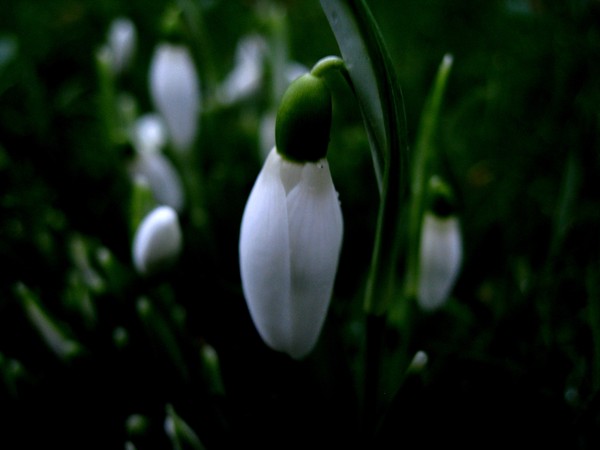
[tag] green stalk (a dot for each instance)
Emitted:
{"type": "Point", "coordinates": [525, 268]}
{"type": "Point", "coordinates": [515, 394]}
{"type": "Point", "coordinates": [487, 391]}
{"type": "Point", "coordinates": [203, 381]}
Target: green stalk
{"type": "Point", "coordinates": [374, 82]}
{"type": "Point", "coordinates": [49, 329]}
{"type": "Point", "coordinates": [422, 171]}
{"type": "Point", "coordinates": [107, 97]}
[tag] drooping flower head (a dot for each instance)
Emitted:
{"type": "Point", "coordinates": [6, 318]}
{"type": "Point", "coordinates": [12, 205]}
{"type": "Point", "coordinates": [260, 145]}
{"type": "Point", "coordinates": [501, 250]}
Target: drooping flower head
{"type": "Point", "coordinates": [122, 39]}
{"type": "Point", "coordinates": [175, 91]}
{"type": "Point", "coordinates": [148, 138]}
{"type": "Point", "coordinates": [157, 241]}
{"type": "Point", "coordinates": [292, 227]}
{"type": "Point", "coordinates": [440, 253]}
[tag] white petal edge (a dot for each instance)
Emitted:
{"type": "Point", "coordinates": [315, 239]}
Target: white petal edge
{"type": "Point", "coordinates": [316, 232]}
{"type": "Point", "coordinates": [440, 260]}
{"type": "Point", "coordinates": [264, 255]}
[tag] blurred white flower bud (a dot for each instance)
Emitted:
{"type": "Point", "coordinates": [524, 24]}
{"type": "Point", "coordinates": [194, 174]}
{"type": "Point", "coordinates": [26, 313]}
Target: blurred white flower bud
{"type": "Point", "coordinates": [419, 361]}
{"type": "Point", "coordinates": [122, 39]}
{"type": "Point", "coordinates": [440, 259]}
{"type": "Point", "coordinates": [157, 242]}
{"type": "Point", "coordinates": [175, 90]}
{"type": "Point", "coordinates": [247, 74]}
{"type": "Point", "coordinates": [161, 176]}
{"type": "Point", "coordinates": [149, 133]}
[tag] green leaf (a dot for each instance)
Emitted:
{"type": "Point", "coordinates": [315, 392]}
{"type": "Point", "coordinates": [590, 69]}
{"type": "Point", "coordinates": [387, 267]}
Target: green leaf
{"type": "Point", "coordinates": [422, 169]}
{"type": "Point", "coordinates": [372, 75]}
{"type": "Point", "coordinates": [54, 334]}
{"type": "Point", "coordinates": [380, 100]}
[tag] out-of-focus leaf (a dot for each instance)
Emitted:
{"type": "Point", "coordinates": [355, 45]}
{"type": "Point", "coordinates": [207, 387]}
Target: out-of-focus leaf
{"type": "Point", "coordinates": [181, 434]}
{"type": "Point", "coordinates": [54, 334]}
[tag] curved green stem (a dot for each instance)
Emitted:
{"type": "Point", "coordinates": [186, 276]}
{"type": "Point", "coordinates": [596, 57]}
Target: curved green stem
{"type": "Point", "coordinates": [421, 171]}
{"type": "Point", "coordinates": [375, 85]}
{"type": "Point", "coordinates": [327, 64]}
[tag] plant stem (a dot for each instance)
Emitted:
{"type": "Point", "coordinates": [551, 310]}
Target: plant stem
{"type": "Point", "coordinates": [421, 172]}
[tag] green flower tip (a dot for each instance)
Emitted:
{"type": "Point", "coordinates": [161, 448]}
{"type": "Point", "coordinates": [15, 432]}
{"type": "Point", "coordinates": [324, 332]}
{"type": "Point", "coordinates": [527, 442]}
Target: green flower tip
{"type": "Point", "coordinates": [304, 120]}
{"type": "Point", "coordinates": [441, 198]}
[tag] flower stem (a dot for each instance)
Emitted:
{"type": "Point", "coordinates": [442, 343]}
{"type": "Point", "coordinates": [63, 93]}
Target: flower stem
{"type": "Point", "coordinates": [375, 85]}
{"type": "Point", "coordinates": [327, 64]}
{"type": "Point", "coordinates": [421, 171]}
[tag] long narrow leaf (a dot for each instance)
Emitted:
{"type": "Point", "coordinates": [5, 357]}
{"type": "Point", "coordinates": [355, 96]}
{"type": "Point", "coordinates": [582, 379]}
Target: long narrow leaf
{"type": "Point", "coordinates": [380, 100]}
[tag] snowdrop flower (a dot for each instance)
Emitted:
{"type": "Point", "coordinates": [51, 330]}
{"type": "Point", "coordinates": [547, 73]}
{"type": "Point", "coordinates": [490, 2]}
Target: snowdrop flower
{"type": "Point", "coordinates": [440, 252]}
{"type": "Point", "coordinates": [246, 76]}
{"type": "Point", "coordinates": [292, 226]}
{"type": "Point", "coordinates": [149, 133]}
{"type": "Point", "coordinates": [121, 42]}
{"type": "Point", "coordinates": [149, 163]}
{"type": "Point", "coordinates": [157, 241]}
{"type": "Point", "coordinates": [175, 90]}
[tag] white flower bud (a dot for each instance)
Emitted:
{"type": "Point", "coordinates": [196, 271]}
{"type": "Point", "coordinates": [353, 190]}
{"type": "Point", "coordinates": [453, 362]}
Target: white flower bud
{"type": "Point", "coordinates": [121, 42]}
{"type": "Point", "coordinates": [419, 361]}
{"type": "Point", "coordinates": [157, 241]}
{"type": "Point", "coordinates": [290, 242]}
{"type": "Point", "coordinates": [175, 90]}
{"type": "Point", "coordinates": [440, 259]}
{"type": "Point", "coordinates": [149, 133]}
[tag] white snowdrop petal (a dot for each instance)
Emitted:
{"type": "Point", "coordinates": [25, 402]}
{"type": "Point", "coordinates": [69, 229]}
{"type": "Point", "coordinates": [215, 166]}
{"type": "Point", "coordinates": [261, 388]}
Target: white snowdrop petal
{"type": "Point", "coordinates": [316, 230]}
{"type": "Point", "coordinates": [264, 255]}
{"type": "Point", "coordinates": [163, 178]}
{"type": "Point", "coordinates": [440, 259]}
{"type": "Point", "coordinates": [157, 241]}
{"type": "Point", "coordinates": [175, 90]}
{"type": "Point", "coordinates": [290, 174]}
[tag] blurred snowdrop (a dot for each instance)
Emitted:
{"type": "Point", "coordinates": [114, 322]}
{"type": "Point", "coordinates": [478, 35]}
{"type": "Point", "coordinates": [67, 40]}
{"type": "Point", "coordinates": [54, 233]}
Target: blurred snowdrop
{"type": "Point", "coordinates": [149, 163]}
{"type": "Point", "coordinates": [292, 226]}
{"type": "Point", "coordinates": [247, 75]}
{"type": "Point", "coordinates": [440, 250]}
{"type": "Point", "coordinates": [122, 39]}
{"type": "Point", "coordinates": [419, 361]}
{"type": "Point", "coordinates": [149, 134]}
{"type": "Point", "coordinates": [157, 242]}
{"type": "Point", "coordinates": [175, 91]}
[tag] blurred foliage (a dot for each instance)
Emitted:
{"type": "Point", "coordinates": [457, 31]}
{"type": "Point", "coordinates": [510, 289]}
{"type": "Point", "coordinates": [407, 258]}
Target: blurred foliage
{"type": "Point", "coordinates": [515, 354]}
